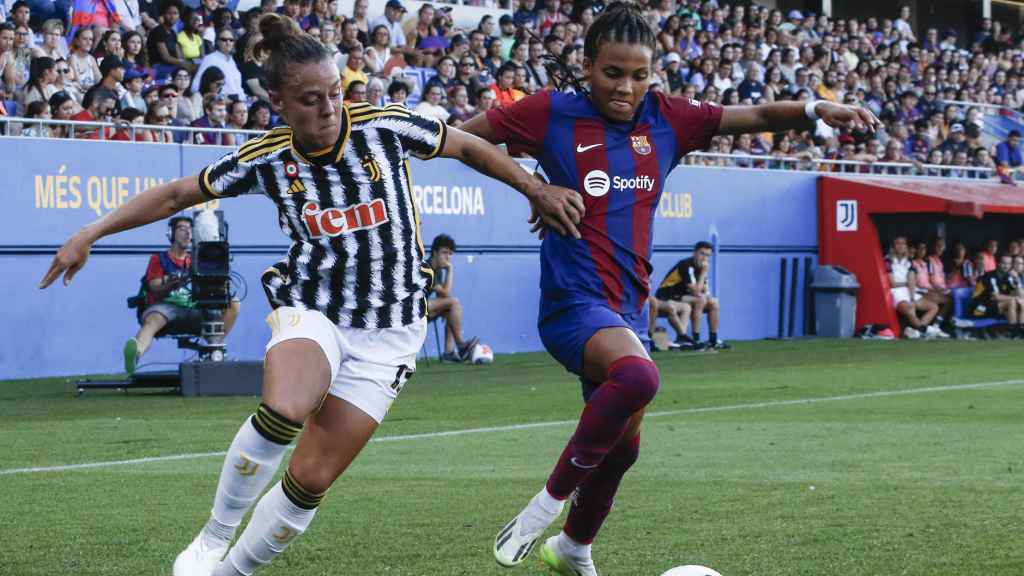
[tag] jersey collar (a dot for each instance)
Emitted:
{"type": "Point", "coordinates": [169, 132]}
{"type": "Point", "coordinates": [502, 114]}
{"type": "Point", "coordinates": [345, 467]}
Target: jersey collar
{"type": "Point", "coordinates": [331, 154]}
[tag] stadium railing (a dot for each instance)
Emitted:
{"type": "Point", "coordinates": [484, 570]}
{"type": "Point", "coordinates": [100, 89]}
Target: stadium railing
{"type": "Point", "coordinates": [79, 129]}
{"type": "Point", "coordinates": [715, 159]}
{"type": "Point", "coordinates": [710, 159]}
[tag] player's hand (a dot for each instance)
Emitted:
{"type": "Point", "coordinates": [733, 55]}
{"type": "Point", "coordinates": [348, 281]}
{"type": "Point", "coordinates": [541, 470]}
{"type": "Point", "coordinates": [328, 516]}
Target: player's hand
{"type": "Point", "coordinates": [558, 208]}
{"type": "Point", "coordinates": [69, 260]}
{"type": "Point", "coordinates": [537, 225]}
{"type": "Point", "coordinates": [846, 116]}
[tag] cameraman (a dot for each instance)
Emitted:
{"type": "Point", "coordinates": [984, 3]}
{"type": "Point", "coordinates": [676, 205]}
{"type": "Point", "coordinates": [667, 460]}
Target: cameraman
{"type": "Point", "coordinates": [168, 297]}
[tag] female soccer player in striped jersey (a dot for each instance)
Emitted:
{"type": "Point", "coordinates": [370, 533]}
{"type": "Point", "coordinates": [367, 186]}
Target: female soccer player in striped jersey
{"type": "Point", "coordinates": [615, 143]}
{"type": "Point", "coordinates": [348, 299]}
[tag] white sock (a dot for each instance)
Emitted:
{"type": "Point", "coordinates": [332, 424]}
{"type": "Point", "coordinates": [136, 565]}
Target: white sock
{"type": "Point", "coordinates": [275, 524]}
{"type": "Point", "coordinates": [572, 547]}
{"type": "Point", "coordinates": [540, 512]}
{"type": "Point", "coordinates": [250, 464]}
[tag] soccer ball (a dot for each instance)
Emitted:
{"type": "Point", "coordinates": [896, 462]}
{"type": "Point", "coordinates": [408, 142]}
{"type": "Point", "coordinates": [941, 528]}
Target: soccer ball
{"type": "Point", "coordinates": [691, 570]}
{"type": "Point", "coordinates": [482, 354]}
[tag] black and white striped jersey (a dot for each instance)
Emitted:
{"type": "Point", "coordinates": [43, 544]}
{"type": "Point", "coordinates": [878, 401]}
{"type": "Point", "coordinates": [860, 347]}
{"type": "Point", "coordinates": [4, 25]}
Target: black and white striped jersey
{"type": "Point", "coordinates": [356, 253]}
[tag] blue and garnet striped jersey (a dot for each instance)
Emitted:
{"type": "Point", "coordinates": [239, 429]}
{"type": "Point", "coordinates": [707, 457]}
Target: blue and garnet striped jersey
{"type": "Point", "coordinates": [619, 169]}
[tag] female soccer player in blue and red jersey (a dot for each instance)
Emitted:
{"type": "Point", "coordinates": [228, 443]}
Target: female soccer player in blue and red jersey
{"type": "Point", "coordinates": [615, 144]}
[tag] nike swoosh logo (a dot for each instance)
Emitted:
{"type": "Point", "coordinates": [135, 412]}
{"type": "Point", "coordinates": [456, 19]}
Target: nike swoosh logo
{"type": "Point", "coordinates": [573, 459]}
{"type": "Point", "coordinates": [582, 148]}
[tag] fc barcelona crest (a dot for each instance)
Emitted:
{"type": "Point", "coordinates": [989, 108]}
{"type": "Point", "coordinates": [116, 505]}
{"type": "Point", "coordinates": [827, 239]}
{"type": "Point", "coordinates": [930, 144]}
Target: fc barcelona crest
{"type": "Point", "coordinates": [640, 145]}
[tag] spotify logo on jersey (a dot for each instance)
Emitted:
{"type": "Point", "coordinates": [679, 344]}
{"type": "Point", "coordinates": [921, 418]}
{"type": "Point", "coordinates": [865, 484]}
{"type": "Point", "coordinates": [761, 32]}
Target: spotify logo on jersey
{"type": "Point", "coordinates": [596, 183]}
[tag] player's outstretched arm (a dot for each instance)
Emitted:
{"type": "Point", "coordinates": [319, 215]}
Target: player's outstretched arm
{"type": "Point", "coordinates": [793, 115]}
{"type": "Point", "coordinates": [154, 204]}
{"type": "Point", "coordinates": [560, 208]}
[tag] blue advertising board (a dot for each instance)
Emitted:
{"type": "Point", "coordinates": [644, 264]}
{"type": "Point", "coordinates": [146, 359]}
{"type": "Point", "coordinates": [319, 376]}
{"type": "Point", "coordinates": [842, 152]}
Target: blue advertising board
{"type": "Point", "coordinates": [53, 187]}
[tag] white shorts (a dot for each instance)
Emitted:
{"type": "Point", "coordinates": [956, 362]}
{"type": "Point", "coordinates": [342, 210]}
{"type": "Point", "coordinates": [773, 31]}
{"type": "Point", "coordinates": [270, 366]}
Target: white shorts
{"type": "Point", "coordinates": [368, 367]}
{"type": "Point", "coordinates": [900, 295]}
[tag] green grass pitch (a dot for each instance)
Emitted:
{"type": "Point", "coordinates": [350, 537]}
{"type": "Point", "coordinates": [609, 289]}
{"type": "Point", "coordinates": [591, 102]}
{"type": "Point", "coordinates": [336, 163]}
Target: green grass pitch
{"type": "Point", "coordinates": [877, 473]}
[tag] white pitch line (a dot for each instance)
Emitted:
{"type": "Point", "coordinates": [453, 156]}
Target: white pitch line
{"type": "Point", "coordinates": [515, 427]}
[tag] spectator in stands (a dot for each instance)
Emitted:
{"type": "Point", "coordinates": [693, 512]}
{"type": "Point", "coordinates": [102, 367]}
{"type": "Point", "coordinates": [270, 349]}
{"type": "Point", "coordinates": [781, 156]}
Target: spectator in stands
{"type": "Point", "coordinates": [62, 107]}
{"type": "Point", "coordinates": [222, 58]}
{"type": "Point", "coordinates": [159, 114]}
{"type": "Point", "coordinates": [7, 64]}
{"type": "Point", "coordinates": [460, 109]}
{"type": "Point", "coordinates": [378, 53]}
{"type": "Point", "coordinates": [190, 39]}
{"type": "Point", "coordinates": [445, 77]}
{"type": "Point", "coordinates": [134, 52]}
{"type": "Point", "coordinates": [254, 77]}
{"type": "Point", "coordinates": [40, 81]}
{"type": "Point", "coordinates": [85, 72]}
{"type": "Point", "coordinates": [431, 106]}
{"type": "Point", "coordinates": [238, 117]}
{"type": "Point", "coordinates": [168, 298]}
{"type": "Point", "coordinates": [259, 116]}
{"type": "Point", "coordinates": [392, 19]}
{"type": "Point", "coordinates": [356, 92]}
{"type": "Point", "coordinates": [996, 295]}
{"type": "Point", "coordinates": [39, 109]}
{"type": "Point", "coordinates": [215, 116]}
{"type": "Point", "coordinates": [132, 97]}
{"type": "Point", "coordinates": [186, 111]}
{"type": "Point", "coordinates": [110, 45]}
{"type": "Point", "coordinates": [210, 84]}
{"type": "Point", "coordinates": [375, 92]}
{"type": "Point", "coordinates": [504, 92]}
{"type": "Point", "coordinates": [354, 68]}
{"type": "Point", "coordinates": [918, 312]}
{"type": "Point", "coordinates": [162, 46]}
{"type": "Point", "coordinates": [467, 77]}
{"type": "Point", "coordinates": [349, 37]}
{"type": "Point", "coordinates": [111, 75]}
{"type": "Point", "coordinates": [1008, 152]}
{"type": "Point", "coordinates": [22, 54]}
{"type": "Point", "coordinates": [423, 29]}
{"type": "Point", "coordinates": [398, 91]}
{"type": "Point", "coordinates": [957, 141]}
{"type": "Point", "coordinates": [98, 105]}
{"type": "Point", "coordinates": [443, 302]}
{"type": "Point", "coordinates": [988, 255]}
{"type": "Point", "coordinates": [123, 125]}
{"type": "Point", "coordinates": [53, 40]}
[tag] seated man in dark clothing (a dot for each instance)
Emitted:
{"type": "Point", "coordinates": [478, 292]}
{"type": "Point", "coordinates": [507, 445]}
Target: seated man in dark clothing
{"type": "Point", "coordinates": [168, 298]}
{"type": "Point", "coordinates": [444, 303]}
{"type": "Point", "coordinates": [997, 294]}
{"type": "Point", "coordinates": [687, 283]}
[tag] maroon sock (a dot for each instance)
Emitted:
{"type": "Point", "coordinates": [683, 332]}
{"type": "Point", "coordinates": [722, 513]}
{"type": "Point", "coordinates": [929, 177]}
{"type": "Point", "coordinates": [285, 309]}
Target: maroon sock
{"type": "Point", "coordinates": [593, 501]}
{"type": "Point", "coordinates": [632, 383]}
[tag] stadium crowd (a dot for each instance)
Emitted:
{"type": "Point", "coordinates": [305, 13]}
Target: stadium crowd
{"type": "Point", "coordinates": [173, 64]}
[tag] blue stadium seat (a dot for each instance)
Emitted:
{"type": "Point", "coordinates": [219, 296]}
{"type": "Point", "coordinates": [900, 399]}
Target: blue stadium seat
{"type": "Point", "coordinates": [961, 302]}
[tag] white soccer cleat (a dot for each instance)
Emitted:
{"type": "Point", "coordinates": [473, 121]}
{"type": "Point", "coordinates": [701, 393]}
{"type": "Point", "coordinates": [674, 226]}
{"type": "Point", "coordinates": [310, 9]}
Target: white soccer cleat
{"type": "Point", "coordinates": [910, 333]}
{"type": "Point", "coordinates": [933, 331]}
{"type": "Point", "coordinates": [555, 557]}
{"type": "Point", "coordinates": [199, 558]}
{"type": "Point", "coordinates": [511, 546]}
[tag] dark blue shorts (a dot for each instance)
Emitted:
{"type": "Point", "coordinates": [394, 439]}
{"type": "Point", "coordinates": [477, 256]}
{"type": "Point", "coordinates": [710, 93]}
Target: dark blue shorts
{"type": "Point", "coordinates": [566, 331]}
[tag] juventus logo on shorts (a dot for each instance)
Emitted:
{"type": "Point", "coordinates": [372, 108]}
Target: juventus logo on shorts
{"type": "Point", "coordinates": [372, 168]}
